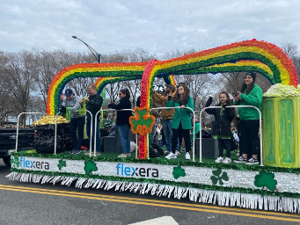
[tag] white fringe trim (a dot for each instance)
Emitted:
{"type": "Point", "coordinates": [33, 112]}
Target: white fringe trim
{"type": "Point", "coordinates": [231, 199]}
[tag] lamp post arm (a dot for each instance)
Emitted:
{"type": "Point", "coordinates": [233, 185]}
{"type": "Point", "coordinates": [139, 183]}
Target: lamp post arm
{"type": "Point", "coordinates": [94, 52]}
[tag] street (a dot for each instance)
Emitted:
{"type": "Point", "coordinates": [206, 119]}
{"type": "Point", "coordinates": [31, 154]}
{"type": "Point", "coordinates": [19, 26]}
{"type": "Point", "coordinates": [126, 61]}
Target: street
{"type": "Point", "coordinates": [29, 203]}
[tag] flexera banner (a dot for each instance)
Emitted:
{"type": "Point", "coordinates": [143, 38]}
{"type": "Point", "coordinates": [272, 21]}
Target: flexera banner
{"type": "Point", "coordinates": [137, 170]}
{"type": "Point", "coordinates": [36, 164]}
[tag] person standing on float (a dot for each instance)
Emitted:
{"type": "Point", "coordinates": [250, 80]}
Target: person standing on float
{"type": "Point", "coordinates": [182, 120]}
{"type": "Point", "coordinates": [123, 120]}
{"type": "Point", "coordinates": [93, 104]}
{"type": "Point", "coordinates": [72, 102]}
{"type": "Point", "coordinates": [250, 94]}
{"type": "Point", "coordinates": [167, 115]}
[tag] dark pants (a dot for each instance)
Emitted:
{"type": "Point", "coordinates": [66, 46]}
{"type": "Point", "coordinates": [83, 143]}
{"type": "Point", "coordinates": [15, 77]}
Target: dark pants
{"type": "Point", "coordinates": [224, 143]}
{"type": "Point", "coordinates": [88, 127]}
{"type": "Point", "coordinates": [186, 136]}
{"type": "Point", "coordinates": [249, 140]}
{"type": "Point", "coordinates": [77, 123]}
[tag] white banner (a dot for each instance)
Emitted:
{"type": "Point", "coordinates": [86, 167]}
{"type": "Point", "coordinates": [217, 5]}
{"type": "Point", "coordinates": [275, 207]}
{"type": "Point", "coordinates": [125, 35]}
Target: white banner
{"type": "Point", "coordinates": [284, 182]}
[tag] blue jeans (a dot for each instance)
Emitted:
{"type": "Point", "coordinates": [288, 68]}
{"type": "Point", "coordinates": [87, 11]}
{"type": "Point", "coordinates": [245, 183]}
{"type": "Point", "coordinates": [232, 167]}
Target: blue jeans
{"type": "Point", "coordinates": [77, 123]}
{"type": "Point", "coordinates": [98, 141]}
{"type": "Point", "coordinates": [124, 133]}
{"type": "Point", "coordinates": [167, 125]}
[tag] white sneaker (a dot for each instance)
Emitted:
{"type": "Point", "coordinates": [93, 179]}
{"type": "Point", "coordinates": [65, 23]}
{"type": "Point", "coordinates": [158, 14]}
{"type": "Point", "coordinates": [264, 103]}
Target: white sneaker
{"type": "Point", "coordinates": [177, 153]}
{"type": "Point", "coordinates": [128, 154]}
{"type": "Point", "coordinates": [171, 156]}
{"type": "Point", "coordinates": [123, 155]}
{"type": "Point", "coordinates": [226, 160]}
{"type": "Point", "coordinates": [219, 159]}
{"type": "Point", "coordinates": [187, 156]}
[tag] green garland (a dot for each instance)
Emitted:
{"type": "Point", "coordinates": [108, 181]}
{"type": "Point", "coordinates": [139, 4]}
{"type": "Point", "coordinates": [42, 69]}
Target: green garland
{"type": "Point", "coordinates": [240, 167]}
{"type": "Point", "coordinates": [163, 182]}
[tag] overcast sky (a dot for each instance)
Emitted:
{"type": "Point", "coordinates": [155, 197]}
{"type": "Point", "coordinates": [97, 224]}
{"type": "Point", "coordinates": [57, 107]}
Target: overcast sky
{"type": "Point", "coordinates": [158, 26]}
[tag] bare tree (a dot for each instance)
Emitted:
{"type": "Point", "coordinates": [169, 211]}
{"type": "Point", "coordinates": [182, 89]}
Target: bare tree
{"type": "Point", "coordinates": [292, 51]}
{"type": "Point", "coordinates": [19, 77]}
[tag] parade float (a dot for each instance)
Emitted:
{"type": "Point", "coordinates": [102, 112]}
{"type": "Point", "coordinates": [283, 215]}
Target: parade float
{"type": "Point", "coordinates": [273, 186]}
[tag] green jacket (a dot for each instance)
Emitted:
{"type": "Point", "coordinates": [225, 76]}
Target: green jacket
{"type": "Point", "coordinates": [182, 115]}
{"type": "Point", "coordinates": [253, 98]}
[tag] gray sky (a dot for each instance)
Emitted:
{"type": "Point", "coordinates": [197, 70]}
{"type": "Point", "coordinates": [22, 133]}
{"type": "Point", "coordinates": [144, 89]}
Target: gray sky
{"type": "Point", "coordinates": [158, 26]}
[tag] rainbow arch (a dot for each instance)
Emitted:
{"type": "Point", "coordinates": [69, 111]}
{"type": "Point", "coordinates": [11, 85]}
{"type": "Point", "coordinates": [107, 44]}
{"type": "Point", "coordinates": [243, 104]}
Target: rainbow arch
{"type": "Point", "coordinates": [112, 70]}
{"type": "Point", "coordinates": [255, 53]}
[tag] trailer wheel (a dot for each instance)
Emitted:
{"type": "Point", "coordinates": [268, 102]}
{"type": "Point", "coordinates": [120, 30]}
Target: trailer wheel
{"type": "Point", "coordinates": [6, 160]}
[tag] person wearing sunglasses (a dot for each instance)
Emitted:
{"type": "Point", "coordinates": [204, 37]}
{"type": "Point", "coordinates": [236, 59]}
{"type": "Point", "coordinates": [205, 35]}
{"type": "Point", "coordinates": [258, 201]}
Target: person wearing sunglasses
{"type": "Point", "coordinates": [182, 120]}
{"type": "Point", "coordinates": [123, 120]}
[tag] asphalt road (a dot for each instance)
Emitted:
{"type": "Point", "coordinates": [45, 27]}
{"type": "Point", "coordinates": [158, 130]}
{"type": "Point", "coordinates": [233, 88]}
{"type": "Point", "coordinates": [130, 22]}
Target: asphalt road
{"type": "Point", "coordinates": [37, 204]}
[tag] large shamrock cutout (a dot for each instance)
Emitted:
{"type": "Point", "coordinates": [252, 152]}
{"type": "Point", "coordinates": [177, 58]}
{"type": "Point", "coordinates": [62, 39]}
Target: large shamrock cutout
{"type": "Point", "coordinates": [178, 172]}
{"type": "Point", "coordinates": [142, 122]}
{"type": "Point", "coordinates": [267, 180]}
{"type": "Point", "coordinates": [219, 176]}
{"type": "Point", "coordinates": [89, 167]}
{"type": "Point", "coordinates": [61, 164]}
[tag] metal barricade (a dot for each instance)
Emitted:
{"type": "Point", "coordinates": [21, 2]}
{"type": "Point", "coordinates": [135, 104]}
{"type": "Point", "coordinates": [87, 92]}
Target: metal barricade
{"type": "Point", "coordinates": [55, 130]}
{"type": "Point", "coordinates": [232, 106]}
{"type": "Point", "coordinates": [18, 123]}
{"type": "Point", "coordinates": [178, 107]}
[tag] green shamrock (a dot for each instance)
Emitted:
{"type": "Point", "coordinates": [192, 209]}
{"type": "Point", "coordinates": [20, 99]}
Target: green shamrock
{"type": "Point", "coordinates": [89, 167]}
{"type": "Point", "coordinates": [178, 172]}
{"type": "Point", "coordinates": [142, 122]}
{"type": "Point", "coordinates": [267, 180]}
{"type": "Point", "coordinates": [219, 178]}
{"type": "Point", "coordinates": [61, 164]}
{"type": "Point", "coordinates": [15, 161]}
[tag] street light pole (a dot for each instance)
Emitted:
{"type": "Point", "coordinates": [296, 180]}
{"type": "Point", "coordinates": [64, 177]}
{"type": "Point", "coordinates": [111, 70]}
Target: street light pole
{"type": "Point", "coordinates": [95, 54]}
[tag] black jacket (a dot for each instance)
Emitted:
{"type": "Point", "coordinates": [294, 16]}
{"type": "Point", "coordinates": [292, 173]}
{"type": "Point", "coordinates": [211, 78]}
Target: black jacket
{"type": "Point", "coordinates": [94, 104]}
{"type": "Point", "coordinates": [222, 122]}
{"type": "Point", "coordinates": [122, 116]}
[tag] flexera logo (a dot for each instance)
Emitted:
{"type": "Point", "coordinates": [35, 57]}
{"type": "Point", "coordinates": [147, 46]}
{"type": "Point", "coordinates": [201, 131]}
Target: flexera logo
{"type": "Point", "coordinates": [33, 164]}
{"type": "Point", "coordinates": [123, 170]}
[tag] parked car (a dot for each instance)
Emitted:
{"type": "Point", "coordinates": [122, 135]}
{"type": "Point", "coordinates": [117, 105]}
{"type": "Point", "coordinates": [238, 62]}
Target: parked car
{"type": "Point", "coordinates": [8, 142]}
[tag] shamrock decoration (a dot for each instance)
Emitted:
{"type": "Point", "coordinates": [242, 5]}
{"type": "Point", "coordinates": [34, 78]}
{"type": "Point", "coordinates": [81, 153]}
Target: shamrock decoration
{"type": "Point", "coordinates": [15, 161]}
{"type": "Point", "coordinates": [89, 167]}
{"type": "Point", "coordinates": [61, 164]}
{"type": "Point", "coordinates": [178, 172]}
{"type": "Point", "coordinates": [219, 178]}
{"type": "Point", "coordinates": [142, 123]}
{"type": "Point", "coordinates": [265, 180]}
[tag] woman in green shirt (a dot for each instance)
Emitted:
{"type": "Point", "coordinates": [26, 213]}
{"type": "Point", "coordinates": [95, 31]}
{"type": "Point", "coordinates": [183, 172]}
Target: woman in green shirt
{"type": "Point", "coordinates": [250, 94]}
{"type": "Point", "coordinates": [182, 120]}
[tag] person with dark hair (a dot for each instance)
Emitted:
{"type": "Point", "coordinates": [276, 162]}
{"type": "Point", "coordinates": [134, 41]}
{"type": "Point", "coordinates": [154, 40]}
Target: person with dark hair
{"type": "Point", "coordinates": [123, 120]}
{"type": "Point", "coordinates": [250, 94]}
{"type": "Point", "coordinates": [72, 102]}
{"type": "Point", "coordinates": [93, 104]}
{"type": "Point", "coordinates": [167, 115]}
{"type": "Point", "coordinates": [182, 120]}
{"type": "Point", "coordinates": [222, 125]}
